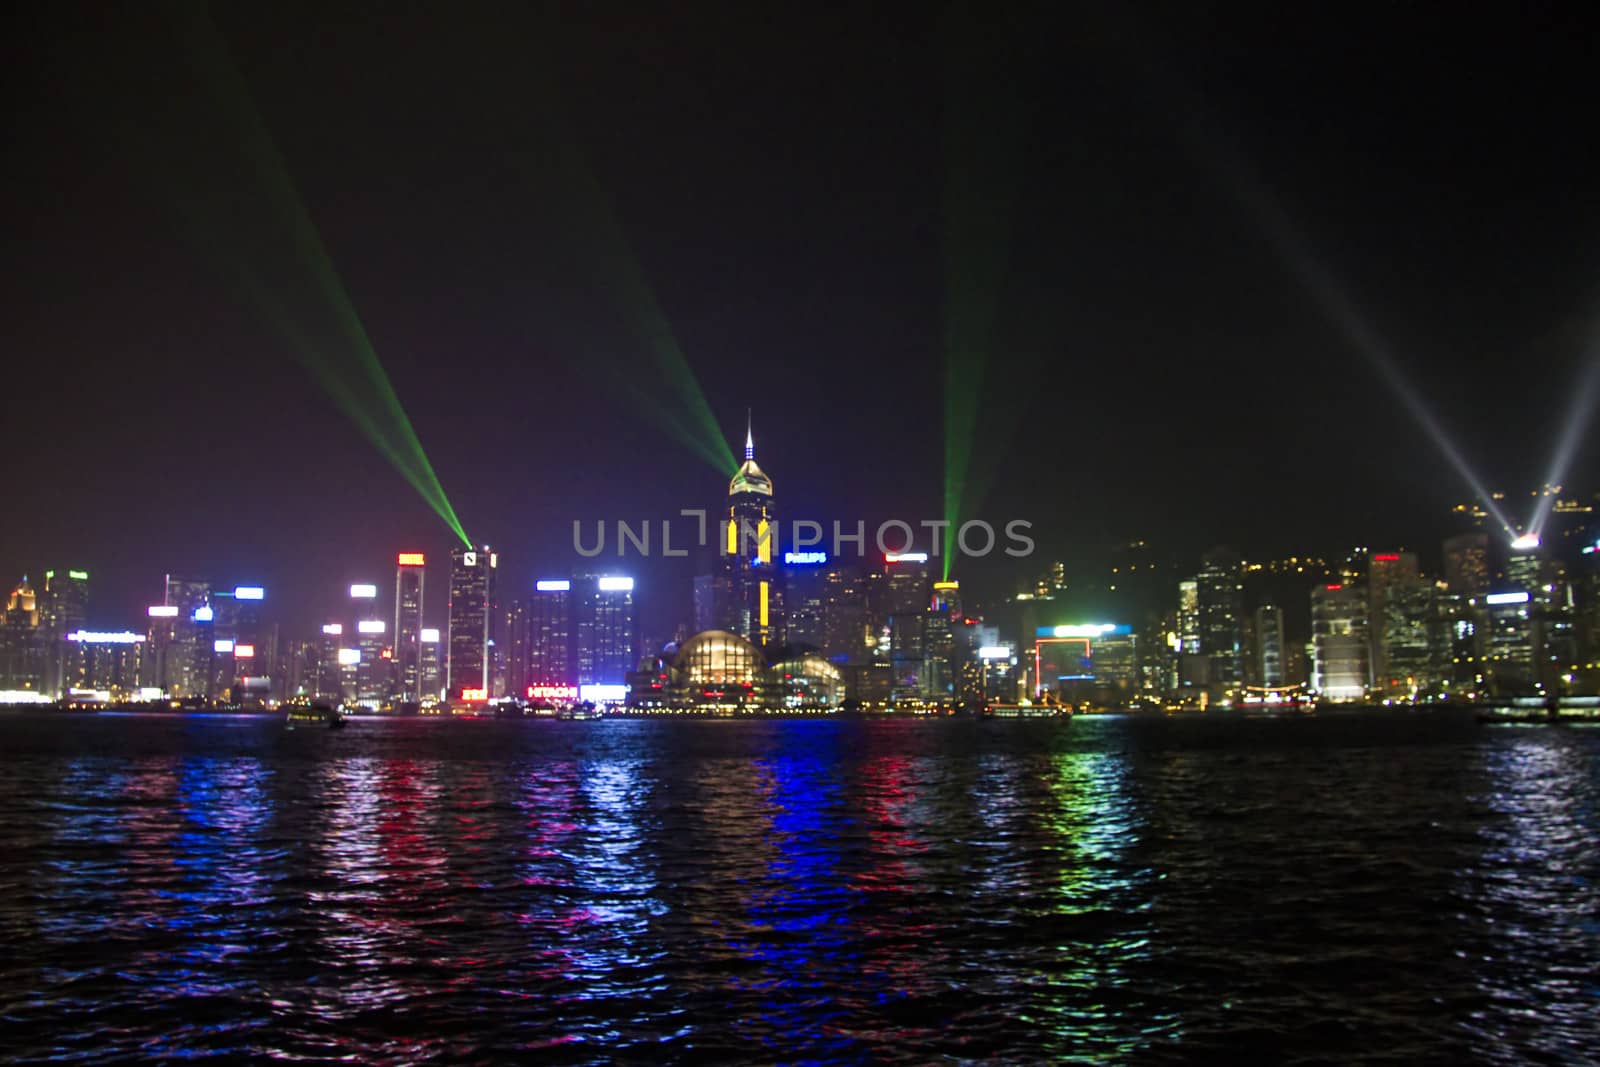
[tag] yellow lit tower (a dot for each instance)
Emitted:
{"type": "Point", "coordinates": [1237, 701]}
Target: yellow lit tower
{"type": "Point", "coordinates": [749, 548]}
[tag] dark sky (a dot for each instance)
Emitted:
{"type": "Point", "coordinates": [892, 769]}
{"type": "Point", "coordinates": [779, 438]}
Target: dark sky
{"type": "Point", "coordinates": [1156, 369]}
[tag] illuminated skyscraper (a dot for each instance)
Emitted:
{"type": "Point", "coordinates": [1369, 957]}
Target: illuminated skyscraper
{"type": "Point", "coordinates": [551, 657]}
{"type": "Point", "coordinates": [1388, 571]}
{"type": "Point", "coordinates": [1269, 645]}
{"type": "Point", "coordinates": [21, 658]}
{"type": "Point", "coordinates": [188, 655]}
{"type": "Point", "coordinates": [432, 678]}
{"type": "Point", "coordinates": [748, 553]}
{"type": "Point", "coordinates": [1466, 564]}
{"type": "Point", "coordinates": [1340, 650]}
{"type": "Point", "coordinates": [63, 609]}
{"type": "Point", "coordinates": [408, 586]}
{"type": "Point", "coordinates": [805, 598]}
{"type": "Point", "coordinates": [472, 573]}
{"type": "Point", "coordinates": [604, 629]}
{"type": "Point", "coordinates": [1220, 586]}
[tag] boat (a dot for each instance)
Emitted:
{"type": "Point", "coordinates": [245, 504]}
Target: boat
{"type": "Point", "coordinates": [315, 715]}
{"type": "Point", "coordinates": [1546, 711]}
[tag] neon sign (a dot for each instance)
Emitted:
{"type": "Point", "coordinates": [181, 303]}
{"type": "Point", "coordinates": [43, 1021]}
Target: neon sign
{"type": "Point", "coordinates": [802, 559]}
{"type": "Point", "coordinates": [552, 692]}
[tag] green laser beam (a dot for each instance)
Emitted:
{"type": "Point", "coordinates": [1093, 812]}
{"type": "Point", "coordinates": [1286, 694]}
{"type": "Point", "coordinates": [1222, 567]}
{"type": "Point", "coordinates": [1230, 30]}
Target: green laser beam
{"type": "Point", "coordinates": [363, 392]}
{"type": "Point", "coordinates": [609, 258]}
{"type": "Point", "coordinates": [984, 126]}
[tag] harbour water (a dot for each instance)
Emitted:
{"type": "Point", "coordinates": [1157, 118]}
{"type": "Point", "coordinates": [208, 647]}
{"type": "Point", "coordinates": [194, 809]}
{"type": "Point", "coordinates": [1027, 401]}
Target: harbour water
{"type": "Point", "coordinates": [1380, 885]}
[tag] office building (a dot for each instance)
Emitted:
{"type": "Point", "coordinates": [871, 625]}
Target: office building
{"type": "Point", "coordinates": [410, 570]}
{"type": "Point", "coordinates": [1220, 610]}
{"type": "Point", "coordinates": [1340, 650]}
{"type": "Point", "coordinates": [604, 629]}
{"type": "Point", "coordinates": [472, 598]}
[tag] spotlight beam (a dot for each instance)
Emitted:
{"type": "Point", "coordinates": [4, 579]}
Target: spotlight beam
{"type": "Point", "coordinates": [612, 263]}
{"type": "Point", "coordinates": [364, 393]}
{"type": "Point", "coordinates": [984, 127]}
{"type": "Point", "coordinates": [1573, 429]}
{"type": "Point", "coordinates": [1252, 195]}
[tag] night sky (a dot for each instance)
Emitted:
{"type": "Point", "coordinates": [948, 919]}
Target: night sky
{"type": "Point", "coordinates": [1156, 369]}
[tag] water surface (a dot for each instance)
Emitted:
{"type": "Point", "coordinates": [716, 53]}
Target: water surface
{"type": "Point", "coordinates": [1379, 886]}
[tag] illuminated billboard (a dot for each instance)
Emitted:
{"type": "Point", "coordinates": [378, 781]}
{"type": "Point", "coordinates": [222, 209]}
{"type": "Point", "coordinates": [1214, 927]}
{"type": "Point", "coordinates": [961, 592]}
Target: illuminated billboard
{"type": "Point", "coordinates": [163, 611]}
{"type": "Point", "coordinates": [474, 695]}
{"type": "Point", "coordinates": [552, 692]}
{"type": "Point", "coordinates": [552, 585]}
{"type": "Point", "coordinates": [603, 694]}
{"type": "Point", "coordinates": [1090, 629]}
{"type": "Point", "coordinates": [906, 557]}
{"type": "Point", "coordinates": [804, 559]}
{"type": "Point", "coordinates": [222, 644]}
{"type": "Point", "coordinates": [411, 559]}
{"type": "Point", "coordinates": [349, 657]}
{"type": "Point", "coordinates": [202, 614]}
{"type": "Point", "coordinates": [615, 584]}
{"type": "Point", "coordinates": [370, 626]}
{"type": "Point", "coordinates": [1506, 598]}
{"type": "Point", "coordinates": [363, 591]}
{"type": "Point", "coordinates": [249, 592]}
{"type": "Point", "coordinates": [244, 651]}
{"type": "Point", "coordinates": [994, 652]}
{"type": "Point", "coordinates": [333, 629]}
{"type": "Point", "coordinates": [95, 637]}
{"type": "Point", "coordinates": [429, 635]}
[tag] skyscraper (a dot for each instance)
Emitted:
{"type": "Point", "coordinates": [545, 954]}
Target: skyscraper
{"type": "Point", "coordinates": [21, 659]}
{"type": "Point", "coordinates": [1269, 646]}
{"type": "Point", "coordinates": [1387, 572]}
{"type": "Point", "coordinates": [64, 609]}
{"type": "Point", "coordinates": [1340, 650]}
{"type": "Point", "coordinates": [408, 588]}
{"type": "Point", "coordinates": [747, 561]}
{"type": "Point", "coordinates": [604, 629]}
{"type": "Point", "coordinates": [472, 573]}
{"type": "Point", "coordinates": [188, 655]}
{"type": "Point", "coordinates": [1466, 564]}
{"type": "Point", "coordinates": [1220, 588]}
{"type": "Point", "coordinates": [551, 660]}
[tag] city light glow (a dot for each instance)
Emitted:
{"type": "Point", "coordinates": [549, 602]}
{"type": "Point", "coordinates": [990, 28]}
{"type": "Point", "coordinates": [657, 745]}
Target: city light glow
{"type": "Point", "coordinates": [994, 652]}
{"type": "Point", "coordinates": [1525, 543]}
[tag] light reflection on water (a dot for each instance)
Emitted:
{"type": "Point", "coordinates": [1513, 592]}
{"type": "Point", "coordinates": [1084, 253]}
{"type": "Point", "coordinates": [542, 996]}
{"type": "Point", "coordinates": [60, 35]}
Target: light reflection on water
{"type": "Point", "coordinates": [1102, 890]}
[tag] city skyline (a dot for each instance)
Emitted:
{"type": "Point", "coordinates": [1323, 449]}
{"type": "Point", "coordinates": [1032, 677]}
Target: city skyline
{"type": "Point", "coordinates": [541, 291]}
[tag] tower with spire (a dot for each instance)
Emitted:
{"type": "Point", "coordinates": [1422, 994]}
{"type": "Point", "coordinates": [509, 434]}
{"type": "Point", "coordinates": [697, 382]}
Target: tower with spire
{"type": "Point", "coordinates": [749, 550]}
